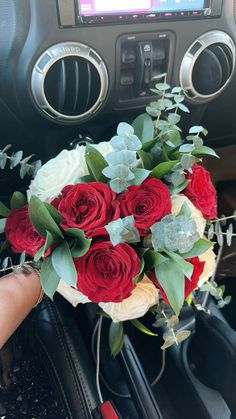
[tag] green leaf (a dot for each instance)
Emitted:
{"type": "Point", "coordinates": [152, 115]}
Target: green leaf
{"type": "Point", "coordinates": [57, 217]}
{"type": "Point", "coordinates": [49, 278]}
{"type": "Point", "coordinates": [4, 246]}
{"type": "Point", "coordinates": [185, 210]}
{"type": "Point", "coordinates": [42, 219]}
{"type": "Point", "coordinates": [4, 211]}
{"type": "Point", "coordinates": [177, 189]}
{"type": "Point", "coordinates": [96, 163]}
{"type": "Point", "coordinates": [173, 118]}
{"type": "Point", "coordinates": [172, 280]}
{"type": "Point", "coordinates": [147, 159]}
{"type": "Point", "coordinates": [140, 326]}
{"type": "Point", "coordinates": [153, 258]}
{"type": "Point", "coordinates": [63, 264]}
{"type": "Point", "coordinates": [140, 176]}
{"type": "Point", "coordinates": [183, 107]}
{"type": "Point", "coordinates": [18, 199]}
{"type": "Point", "coordinates": [139, 277]}
{"type": "Point", "coordinates": [163, 168]}
{"type": "Point", "coordinates": [143, 128]}
{"type": "Point", "coordinates": [205, 150]}
{"type": "Point", "coordinates": [200, 247]}
{"type": "Point", "coordinates": [184, 266]}
{"type": "Point", "coordinates": [81, 243]}
{"type": "Point", "coordinates": [116, 338]}
{"type": "Point", "coordinates": [2, 224]}
{"type": "Point", "coordinates": [49, 241]}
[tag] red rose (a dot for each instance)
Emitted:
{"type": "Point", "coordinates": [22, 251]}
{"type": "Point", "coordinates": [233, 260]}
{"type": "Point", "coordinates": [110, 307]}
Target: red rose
{"type": "Point", "coordinates": [190, 285]}
{"type": "Point", "coordinates": [106, 273]}
{"type": "Point", "coordinates": [88, 206]}
{"type": "Point", "coordinates": [201, 191]}
{"type": "Point", "coordinates": [148, 203]}
{"type": "Point", "coordinates": [21, 234]}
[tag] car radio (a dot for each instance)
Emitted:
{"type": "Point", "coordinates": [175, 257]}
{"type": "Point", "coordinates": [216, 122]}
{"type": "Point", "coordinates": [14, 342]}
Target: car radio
{"type": "Point", "coordinates": [121, 11]}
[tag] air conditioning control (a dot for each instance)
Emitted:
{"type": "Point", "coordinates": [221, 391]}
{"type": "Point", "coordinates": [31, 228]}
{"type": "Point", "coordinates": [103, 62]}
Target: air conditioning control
{"type": "Point", "coordinates": [140, 57]}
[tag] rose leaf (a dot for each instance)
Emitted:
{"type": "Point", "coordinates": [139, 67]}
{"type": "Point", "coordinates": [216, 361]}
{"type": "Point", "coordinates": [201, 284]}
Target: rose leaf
{"type": "Point", "coordinates": [116, 338]}
{"type": "Point", "coordinates": [18, 199]}
{"type": "Point", "coordinates": [63, 263]}
{"type": "Point", "coordinates": [171, 279]}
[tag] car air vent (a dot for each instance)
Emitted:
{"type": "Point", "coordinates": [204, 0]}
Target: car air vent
{"type": "Point", "coordinates": [207, 66]}
{"type": "Point", "coordinates": [69, 82]}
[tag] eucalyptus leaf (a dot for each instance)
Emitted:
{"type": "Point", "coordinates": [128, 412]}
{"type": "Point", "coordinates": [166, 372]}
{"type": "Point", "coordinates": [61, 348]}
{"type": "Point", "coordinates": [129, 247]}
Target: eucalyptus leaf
{"type": "Point", "coordinates": [15, 159]}
{"type": "Point", "coordinates": [2, 224]}
{"type": "Point", "coordinates": [49, 278]}
{"type": "Point", "coordinates": [143, 128]}
{"type": "Point", "coordinates": [200, 247]}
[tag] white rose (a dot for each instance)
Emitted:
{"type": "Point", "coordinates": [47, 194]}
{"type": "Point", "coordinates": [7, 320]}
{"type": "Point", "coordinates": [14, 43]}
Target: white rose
{"type": "Point", "coordinates": [104, 148]}
{"type": "Point", "coordinates": [196, 215]}
{"type": "Point", "coordinates": [209, 258]}
{"type": "Point", "coordinates": [65, 169]}
{"type": "Point", "coordinates": [72, 295]}
{"type": "Point", "coordinates": [144, 296]}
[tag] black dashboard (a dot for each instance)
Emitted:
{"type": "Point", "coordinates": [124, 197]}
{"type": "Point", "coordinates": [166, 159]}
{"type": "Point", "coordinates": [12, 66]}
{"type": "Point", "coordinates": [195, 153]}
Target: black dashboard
{"type": "Point", "coordinates": [64, 75]}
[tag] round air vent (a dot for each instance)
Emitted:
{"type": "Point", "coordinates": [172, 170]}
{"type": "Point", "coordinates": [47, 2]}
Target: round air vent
{"type": "Point", "coordinates": [207, 66]}
{"type": "Point", "coordinates": [69, 82]}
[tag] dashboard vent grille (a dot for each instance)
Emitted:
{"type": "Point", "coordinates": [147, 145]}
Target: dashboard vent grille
{"type": "Point", "coordinates": [71, 84]}
{"type": "Point", "coordinates": [212, 69]}
{"type": "Point", "coordinates": [208, 66]}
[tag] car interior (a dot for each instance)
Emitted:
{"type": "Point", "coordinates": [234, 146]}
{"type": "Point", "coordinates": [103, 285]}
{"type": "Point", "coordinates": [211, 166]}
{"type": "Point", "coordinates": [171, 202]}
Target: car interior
{"type": "Point", "coordinates": [70, 71]}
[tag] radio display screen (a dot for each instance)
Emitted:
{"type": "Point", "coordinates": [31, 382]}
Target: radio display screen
{"type": "Point", "coordinates": [113, 7]}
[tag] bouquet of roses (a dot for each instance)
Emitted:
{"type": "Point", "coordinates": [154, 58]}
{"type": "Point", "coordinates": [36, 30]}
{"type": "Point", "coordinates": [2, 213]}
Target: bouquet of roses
{"type": "Point", "coordinates": [123, 223]}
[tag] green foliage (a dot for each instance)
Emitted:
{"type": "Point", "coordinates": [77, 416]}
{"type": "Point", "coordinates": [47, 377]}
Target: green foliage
{"type": "Point", "coordinates": [123, 230]}
{"type": "Point", "coordinates": [18, 199]}
{"type": "Point", "coordinates": [16, 159]}
{"type": "Point", "coordinates": [116, 338]}
{"type": "Point", "coordinates": [63, 264]}
{"type": "Point", "coordinates": [41, 218]}
{"type": "Point", "coordinates": [49, 278]}
{"type": "Point", "coordinates": [4, 211]}
{"type": "Point", "coordinates": [80, 244]}
{"type": "Point", "coordinates": [143, 128]}
{"type": "Point", "coordinates": [95, 163]}
{"type": "Point", "coordinates": [142, 328]}
{"type": "Point", "coordinates": [171, 279]}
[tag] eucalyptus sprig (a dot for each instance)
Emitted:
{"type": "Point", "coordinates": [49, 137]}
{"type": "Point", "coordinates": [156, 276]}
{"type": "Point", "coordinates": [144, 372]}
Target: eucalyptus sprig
{"type": "Point", "coordinates": [17, 159]}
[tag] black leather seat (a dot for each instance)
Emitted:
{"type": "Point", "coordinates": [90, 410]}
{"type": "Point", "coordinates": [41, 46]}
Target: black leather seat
{"type": "Point", "coordinates": [59, 342]}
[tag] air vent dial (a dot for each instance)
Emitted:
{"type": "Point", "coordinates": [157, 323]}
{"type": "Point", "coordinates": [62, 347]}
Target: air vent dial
{"type": "Point", "coordinates": [207, 66]}
{"type": "Point", "coordinates": [69, 82]}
